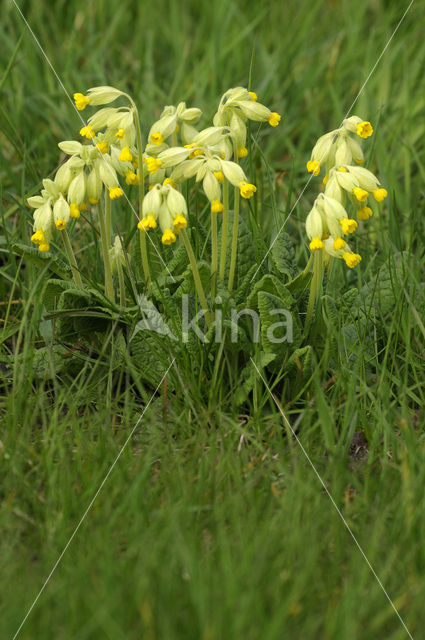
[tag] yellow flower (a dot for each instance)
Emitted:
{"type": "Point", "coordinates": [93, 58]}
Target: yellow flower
{"type": "Point", "coordinates": [364, 129]}
{"type": "Point", "coordinates": [156, 137]}
{"type": "Point", "coordinates": [365, 213]}
{"type": "Point", "coordinates": [135, 163]}
{"type": "Point", "coordinates": [348, 225]}
{"type": "Point", "coordinates": [103, 147]}
{"type": "Point", "coordinates": [74, 211]}
{"type": "Point", "coordinates": [313, 166]}
{"type": "Point", "coordinates": [247, 190]}
{"type": "Point", "coordinates": [81, 101]}
{"type": "Point", "coordinates": [216, 206]}
{"type": "Point", "coordinates": [339, 243]}
{"type": "Point", "coordinates": [132, 178]}
{"type": "Point", "coordinates": [380, 194]}
{"type": "Point", "coordinates": [316, 244]}
{"type": "Point", "coordinates": [83, 206]}
{"type": "Point", "coordinates": [179, 223]}
{"type": "Point", "coordinates": [87, 132]}
{"type": "Point", "coordinates": [342, 169]}
{"type": "Point", "coordinates": [168, 237]}
{"type": "Point", "coordinates": [170, 182]}
{"type": "Point", "coordinates": [253, 96]}
{"type": "Point", "coordinates": [351, 259]}
{"type": "Point", "coordinates": [120, 134]}
{"type": "Point", "coordinates": [274, 119]}
{"type": "Point", "coordinates": [91, 201]}
{"type": "Point", "coordinates": [44, 246]}
{"type": "Point", "coordinates": [148, 222]}
{"type": "Point", "coordinates": [153, 164]}
{"type": "Point", "coordinates": [38, 237]}
{"type": "Point", "coordinates": [219, 176]}
{"type": "Point", "coordinates": [115, 192]}
{"type": "Point", "coordinates": [242, 152]}
{"type": "Point", "coordinates": [125, 155]}
{"type": "Point", "coordinates": [360, 194]}
{"type": "Point", "coordinates": [60, 224]}
{"type": "Point", "coordinates": [326, 178]}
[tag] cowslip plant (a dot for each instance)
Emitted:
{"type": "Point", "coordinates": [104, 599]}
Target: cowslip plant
{"type": "Point", "coordinates": [175, 152]}
{"type": "Point", "coordinates": [177, 257]}
{"type": "Point", "coordinates": [328, 222]}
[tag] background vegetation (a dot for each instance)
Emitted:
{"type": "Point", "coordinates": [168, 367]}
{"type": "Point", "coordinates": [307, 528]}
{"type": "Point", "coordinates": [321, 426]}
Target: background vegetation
{"type": "Point", "coordinates": [213, 524]}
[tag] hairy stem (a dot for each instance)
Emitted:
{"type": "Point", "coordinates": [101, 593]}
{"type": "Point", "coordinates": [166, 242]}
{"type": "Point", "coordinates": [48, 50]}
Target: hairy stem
{"type": "Point", "coordinates": [196, 276]}
{"type": "Point", "coordinates": [109, 287]}
{"type": "Point", "coordinates": [143, 244]}
{"type": "Point", "coordinates": [214, 253]}
{"type": "Point", "coordinates": [234, 250]}
{"type": "Point", "coordinates": [315, 285]}
{"type": "Point", "coordinates": [224, 229]}
{"type": "Point", "coordinates": [121, 284]}
{"type": "Point", "coordinates": [71, 258]}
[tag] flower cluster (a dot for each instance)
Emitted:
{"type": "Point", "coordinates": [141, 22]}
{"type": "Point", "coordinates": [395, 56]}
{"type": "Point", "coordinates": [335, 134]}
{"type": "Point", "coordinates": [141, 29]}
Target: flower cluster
{"type": "Point", "coordinates": [165, 205]}
{"type": "Point", "coordinates": [328, 222]}
{"type": "Point", "coordinates": [210, 156]}
{"type": "Point", "coordinates": [109, 151]}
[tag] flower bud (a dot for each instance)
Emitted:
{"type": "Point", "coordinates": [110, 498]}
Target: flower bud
{"type": "Point", "coordinates": [152, 201]}
{"type": "Point", "coordinates": [63, 177]}
{"type": "Point", "coordinates": [255, 110]}
{"type": "Point", "coordinates": [233, 172]}
{"type": "Point", "coordinates": [190, 116]}
{"type": "Point", "coordinates": [211, 186]}
{"type": "Point", "coordinates": [94, 187]}
{"type": "Point", "coordinates": [173, 156]}
{"type": "Point", "coordinates": [77, 189]}
{"type": "Point", "coordinates": [70, 147]}
{"type": "Point", "coordinates": [314, 224]}
{"type": "Point", "coordinates": [103, 95]}
{"type": "Point", "coordinates": [61, 213]}
{"type": "Point", "coordinates": [106, 173]}
{"type": "Point", "coordinates": [176, 202]}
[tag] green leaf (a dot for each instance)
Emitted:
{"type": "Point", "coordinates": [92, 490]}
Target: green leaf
{"type": "Point", "coordinates": [276, 325]}
{"type": "Point", "coordinates": [283, 256]}
{"type": "Point", "coordinates": [150, 355]}
{"type": "Point", "coordinates": [43, 260]}
{"type": "Point", "coordinates": [382, 291]}
{"type": "Point", "coordinates": [249, 375]}
{"type": "Point", "coordinates": [301, 362]}
{"type": "Point", "coordinates": [271, 284]}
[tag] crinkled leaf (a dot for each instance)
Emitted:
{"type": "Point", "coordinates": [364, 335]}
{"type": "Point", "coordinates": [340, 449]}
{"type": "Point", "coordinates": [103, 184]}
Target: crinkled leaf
{"type": "Point", "coordinates": [283, 256]}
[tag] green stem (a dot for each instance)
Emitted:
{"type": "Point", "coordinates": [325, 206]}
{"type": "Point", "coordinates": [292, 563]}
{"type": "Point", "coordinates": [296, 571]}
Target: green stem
{"type": "Point", "coordinates": [196, 276]}
{"type": "Point", "coordinates": [315, 285]}
{"type": "Point", "coordinates": [234, 250]}
{"type": "Point", "coordinates": [109, 287]}
{"type": "Point", "coordinates": [143, 244]}
{"type": "Point", "coordinates": [121, 284]}
{"type": "Point", "coordinates": [144, 252]}
{"type": "Point", "coordinates": [214, 253]}
{"type": "Point", "coordinates": [224, 229]}
{"type": "Point", "coordinates": [71, 258]}
{"type": "Point", "coordinates": [108, 219]}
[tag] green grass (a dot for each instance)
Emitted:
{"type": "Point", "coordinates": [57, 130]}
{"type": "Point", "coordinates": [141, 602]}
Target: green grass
{"type": "Point", "coordinates": [213, 524]}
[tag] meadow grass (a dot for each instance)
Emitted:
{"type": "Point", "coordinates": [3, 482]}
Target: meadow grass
{"type": "Point", "coordinates": [213, 524]}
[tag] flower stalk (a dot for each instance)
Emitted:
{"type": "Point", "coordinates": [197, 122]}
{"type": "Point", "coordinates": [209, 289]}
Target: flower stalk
{"type": "Point", "coordinates": [214, 253]}
{"type": "Point", "coordinates": [103, 217]}
{"type": "Point", "coordinates": [71, 258]}
{"type": "Point", "coordinates": [196, 276]}
{"type": "Point", "coordinates": [315, 285]}
{"type": "Point", "coordinates": [143, 244]}
{"type": "Point", "coordinates": [234, 250]}
{"type": "Point", "coordinates": [224, 229]}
